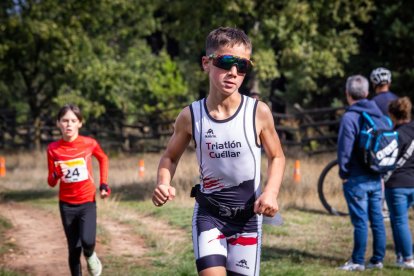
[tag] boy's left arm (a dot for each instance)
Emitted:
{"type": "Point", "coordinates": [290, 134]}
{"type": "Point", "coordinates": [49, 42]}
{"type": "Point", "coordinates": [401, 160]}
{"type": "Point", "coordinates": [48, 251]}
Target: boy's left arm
{"type": "Point", "coordinates": [267, 204]}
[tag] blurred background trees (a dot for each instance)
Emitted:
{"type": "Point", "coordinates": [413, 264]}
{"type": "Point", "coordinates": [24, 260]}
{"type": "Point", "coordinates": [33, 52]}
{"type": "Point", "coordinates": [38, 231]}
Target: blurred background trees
{"type": "Point", "coordinates": [142, 57]}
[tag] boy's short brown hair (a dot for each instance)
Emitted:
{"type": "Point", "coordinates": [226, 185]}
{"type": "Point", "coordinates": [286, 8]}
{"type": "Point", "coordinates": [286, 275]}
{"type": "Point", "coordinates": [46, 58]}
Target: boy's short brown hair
{"type": "Point", "coordinates": [226, 37]}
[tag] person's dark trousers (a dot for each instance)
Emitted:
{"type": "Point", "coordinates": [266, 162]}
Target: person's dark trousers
{"type": "Point", "coordinates": [79, 223]}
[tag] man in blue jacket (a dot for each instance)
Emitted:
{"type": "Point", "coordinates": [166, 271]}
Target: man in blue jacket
{"type": "Point", "coordinates": [362, 187]}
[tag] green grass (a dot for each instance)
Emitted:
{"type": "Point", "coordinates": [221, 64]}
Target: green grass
{"type": "Point", "coordinates": [309, 242]}
{"type": "Point", "coordinates": [4, 272]}
{"type": "Point", "coordinates": [6, 245]}
{"type": "Point", "coordinates": [174, 213]}
{"type": "Point", "coordinates": [180, 258]}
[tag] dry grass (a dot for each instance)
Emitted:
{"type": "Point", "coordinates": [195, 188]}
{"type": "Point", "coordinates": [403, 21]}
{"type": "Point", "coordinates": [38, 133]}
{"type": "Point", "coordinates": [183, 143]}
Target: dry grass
{"type": "Point", "coordinates": [28, 171]}
{"type": "Point", "coordinates": [25, 171]}
{"type": "Point", "coordinates": [310, 242]}
{"type": "Point", "coordinates": [303, 195]}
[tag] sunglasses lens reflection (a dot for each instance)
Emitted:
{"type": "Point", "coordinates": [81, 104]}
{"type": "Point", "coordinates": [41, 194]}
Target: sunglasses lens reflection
{"type": "Point", "coordinates": [227, 61]}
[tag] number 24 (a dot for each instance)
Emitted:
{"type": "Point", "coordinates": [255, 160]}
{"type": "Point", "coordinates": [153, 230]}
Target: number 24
{"type": "Point", "coordinates": [70, 173]}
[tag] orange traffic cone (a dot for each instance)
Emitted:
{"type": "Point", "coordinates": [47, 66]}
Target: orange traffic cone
{"type": "Point", "coordinates": [2, 166]}
{"type": "Point", "coordinates": [296, 172]}
{"type": "Point", "coordinates": [141, 168]}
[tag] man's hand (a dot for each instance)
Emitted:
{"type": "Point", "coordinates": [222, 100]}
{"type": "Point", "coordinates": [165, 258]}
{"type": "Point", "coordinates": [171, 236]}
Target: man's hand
{"type": "Point", "coordinates": [162, 194]}
{"type": "Point", "coordinates": [266, 205]}
{"type": "Point", "coordinates": [105, 190]}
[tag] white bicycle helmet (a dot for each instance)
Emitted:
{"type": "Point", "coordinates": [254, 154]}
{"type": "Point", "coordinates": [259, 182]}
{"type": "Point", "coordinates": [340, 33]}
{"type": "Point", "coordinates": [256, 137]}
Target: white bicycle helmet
{"type": "Point", "coordinates": [380, 76]}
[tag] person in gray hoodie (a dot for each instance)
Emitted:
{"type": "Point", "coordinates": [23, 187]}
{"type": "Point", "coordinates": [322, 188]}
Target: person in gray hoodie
{"type": "Point", "coordinates": [361, 186]}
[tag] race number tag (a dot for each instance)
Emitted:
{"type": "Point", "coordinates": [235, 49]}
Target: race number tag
{"type": "Point", "coordinates": [77, 170]}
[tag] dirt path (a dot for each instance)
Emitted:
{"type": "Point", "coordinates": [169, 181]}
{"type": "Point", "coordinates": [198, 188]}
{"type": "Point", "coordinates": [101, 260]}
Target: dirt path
{"type": "Point", "coordinates": [41, 244]}
{"type": "Point", "coordinates": [123, 242]}
{"type": "Point", "coordinates": [158, 227]}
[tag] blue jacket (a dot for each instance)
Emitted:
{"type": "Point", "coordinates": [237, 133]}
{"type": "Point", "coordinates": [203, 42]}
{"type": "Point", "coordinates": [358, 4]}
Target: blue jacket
{"type": "Point", "coordinates": [349, 156]}
{"type": "Point", "coordinates": [383, 99]}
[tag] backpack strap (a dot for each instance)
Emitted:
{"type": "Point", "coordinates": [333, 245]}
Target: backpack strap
{"type": "Point", "coordinates": [370, 121]}
{"type": "Point", "coordinates": [389, 121]}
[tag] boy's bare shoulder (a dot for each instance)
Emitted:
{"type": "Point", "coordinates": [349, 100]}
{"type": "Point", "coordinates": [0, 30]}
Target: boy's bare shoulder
{"type": "Point", "coordinates": [263, 110]}
{"type": "Point", "coordinates": [185, 114]}
{"type": "Point", "coordinates": [183, 120]}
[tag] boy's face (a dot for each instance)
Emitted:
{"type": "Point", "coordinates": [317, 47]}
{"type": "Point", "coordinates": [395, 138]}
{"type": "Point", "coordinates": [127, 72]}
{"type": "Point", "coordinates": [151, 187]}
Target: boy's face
{"type": "Point", "coordinates": [222, 80]}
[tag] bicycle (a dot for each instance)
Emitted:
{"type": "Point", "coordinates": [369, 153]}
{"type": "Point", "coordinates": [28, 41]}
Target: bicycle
{"type": "Point", "coordinates": [330, 190]}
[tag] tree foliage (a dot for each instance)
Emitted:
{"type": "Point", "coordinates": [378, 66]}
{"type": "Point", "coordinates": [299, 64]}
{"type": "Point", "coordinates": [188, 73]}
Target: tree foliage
{"type": "Point", "coordinates": [91, 53]}
{"type": "Point", "coordinates": [143, 56]}
{"type": "Point", "coordinates": [300, 40]}
{"type": "Point", "coordinates": [387, 41]}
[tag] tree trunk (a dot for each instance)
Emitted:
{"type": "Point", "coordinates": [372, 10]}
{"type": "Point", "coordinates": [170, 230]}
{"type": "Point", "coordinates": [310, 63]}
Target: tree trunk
{"type": "Point", "coordinates": [37, 124]}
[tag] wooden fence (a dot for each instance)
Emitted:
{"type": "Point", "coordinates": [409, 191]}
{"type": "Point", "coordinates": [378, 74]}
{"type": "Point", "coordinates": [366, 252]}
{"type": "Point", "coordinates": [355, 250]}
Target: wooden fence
{"type": "Point", "coordinates": [312, 131]}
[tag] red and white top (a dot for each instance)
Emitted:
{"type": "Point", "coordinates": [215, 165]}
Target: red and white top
{"type": "Point", "coordinates": [77, 185]}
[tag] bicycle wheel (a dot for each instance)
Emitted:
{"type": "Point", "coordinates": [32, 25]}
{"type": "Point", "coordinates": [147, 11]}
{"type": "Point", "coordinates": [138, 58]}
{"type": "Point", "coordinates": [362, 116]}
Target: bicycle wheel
{"type": "Point", "coordinates": [330, 190]}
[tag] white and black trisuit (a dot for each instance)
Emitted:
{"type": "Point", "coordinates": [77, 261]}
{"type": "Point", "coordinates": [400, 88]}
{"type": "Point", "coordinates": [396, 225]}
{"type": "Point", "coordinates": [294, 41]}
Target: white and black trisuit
{"type": "Point", "coordinates": [226, 232]}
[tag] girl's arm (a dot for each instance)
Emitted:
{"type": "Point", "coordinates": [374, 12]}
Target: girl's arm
{"type": "Point", "coordinates": [53, 174]}
{"type": "Point", "coordinates": [103, 163]}
{"type": "Point", "coordinates": [103, 170]}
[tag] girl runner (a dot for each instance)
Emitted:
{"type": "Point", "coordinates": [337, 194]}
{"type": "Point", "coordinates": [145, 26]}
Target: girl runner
{"type": "Point", "coordinates": [70, 163]}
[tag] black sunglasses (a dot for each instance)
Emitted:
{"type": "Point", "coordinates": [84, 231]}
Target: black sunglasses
{"type": "Point", "coordinates": [225, 62]}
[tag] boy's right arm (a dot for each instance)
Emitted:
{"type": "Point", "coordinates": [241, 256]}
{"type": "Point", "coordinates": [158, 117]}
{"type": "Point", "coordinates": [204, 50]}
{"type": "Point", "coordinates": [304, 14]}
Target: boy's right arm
{"type": "Point", "coordinates": [169, 160]}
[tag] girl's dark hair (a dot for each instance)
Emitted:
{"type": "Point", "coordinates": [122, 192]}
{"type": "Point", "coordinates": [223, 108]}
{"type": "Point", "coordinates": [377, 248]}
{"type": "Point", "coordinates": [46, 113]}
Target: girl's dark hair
{"type": "Point", "coordinates": [73, 108]}
{"type": "Point", "coordinates": [400, 108]}
{"type": "Point", "coordinates": [226, 36]}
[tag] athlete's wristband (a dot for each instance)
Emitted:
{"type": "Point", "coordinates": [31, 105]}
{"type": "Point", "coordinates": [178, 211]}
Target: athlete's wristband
{"type": "Point", "coordinates": [105, 187]}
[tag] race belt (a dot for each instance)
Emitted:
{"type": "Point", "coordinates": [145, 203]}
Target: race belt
{"type": "Point", "coordinates": [216, 208]}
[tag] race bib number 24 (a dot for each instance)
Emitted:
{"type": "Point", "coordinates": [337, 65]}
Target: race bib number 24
{"type": "Point", "coordinates": [76, 170]}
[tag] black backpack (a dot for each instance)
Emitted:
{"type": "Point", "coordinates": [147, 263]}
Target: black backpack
{"type": "Point", "coordinates": [379, 143]}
